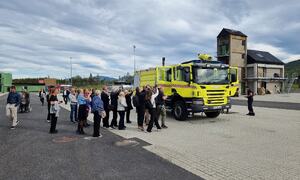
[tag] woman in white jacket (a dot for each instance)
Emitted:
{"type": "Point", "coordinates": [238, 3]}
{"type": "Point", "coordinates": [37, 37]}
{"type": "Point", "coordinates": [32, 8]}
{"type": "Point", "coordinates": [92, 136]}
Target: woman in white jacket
{"type": "Point", "coordinates": [122, 105]}
{"type": "Point", "coordinates": [54, 110]}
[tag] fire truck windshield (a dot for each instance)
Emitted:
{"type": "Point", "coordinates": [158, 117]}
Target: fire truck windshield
{"type": "Point", "coordinates": [211, 75]}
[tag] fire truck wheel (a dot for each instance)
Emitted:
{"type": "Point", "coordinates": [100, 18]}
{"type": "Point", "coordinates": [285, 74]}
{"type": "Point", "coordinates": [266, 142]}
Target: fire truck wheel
{"type": "Point", "coordinates": [180, 112]}
{"type": "Point", "coordinates": [212, 114]}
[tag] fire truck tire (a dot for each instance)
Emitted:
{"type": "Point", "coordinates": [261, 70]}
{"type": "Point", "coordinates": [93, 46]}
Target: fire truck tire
{"type": "Point", "coordinates": [180, 112]}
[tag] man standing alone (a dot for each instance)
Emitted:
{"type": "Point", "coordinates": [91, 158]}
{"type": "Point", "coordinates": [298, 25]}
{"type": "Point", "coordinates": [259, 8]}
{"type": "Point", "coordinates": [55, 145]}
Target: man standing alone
{"type": "Point", "coordinates": [66, 94]}
{"type": "Point", "coordinates": [250, 102]}
{"type": "Point", "coordinates": [13, 101]}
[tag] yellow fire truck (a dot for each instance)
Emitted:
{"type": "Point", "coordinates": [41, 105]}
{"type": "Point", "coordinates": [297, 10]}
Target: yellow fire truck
{"type": "Point", "coordinates": [193, 86]}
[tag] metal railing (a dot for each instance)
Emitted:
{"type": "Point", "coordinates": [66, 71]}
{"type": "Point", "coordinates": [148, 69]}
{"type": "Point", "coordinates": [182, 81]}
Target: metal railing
{"type": "Point", "coordinates": [289, 83]}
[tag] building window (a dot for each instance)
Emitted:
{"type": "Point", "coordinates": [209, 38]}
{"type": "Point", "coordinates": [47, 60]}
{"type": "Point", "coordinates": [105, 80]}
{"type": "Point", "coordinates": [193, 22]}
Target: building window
{"type": "Point", "coordinates": [243, 56]}
{"type": "Point", "coordinates": [224, 50]}
{"type": "Point", "coordinates": [243, 72]}
{"type": "Point", "coordinates": [182, 74]}
{"type": "Point", "coordinates": [165, 74]}
{"type": "Point", "coordinates": [244, 42]}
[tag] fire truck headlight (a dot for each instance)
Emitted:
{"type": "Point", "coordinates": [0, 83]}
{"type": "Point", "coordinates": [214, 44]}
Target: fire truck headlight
{"type": "Point", "coordinates": [198, 102]}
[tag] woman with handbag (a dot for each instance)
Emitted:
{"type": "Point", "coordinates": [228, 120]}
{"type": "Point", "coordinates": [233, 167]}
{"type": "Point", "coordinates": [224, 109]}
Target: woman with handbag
{"type": "Point", "coordinates": [54, 110]}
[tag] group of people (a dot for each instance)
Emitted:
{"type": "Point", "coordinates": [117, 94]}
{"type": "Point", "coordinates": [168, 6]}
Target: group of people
{"type": "Point", "coordinates": [150, 106]}
{"type": "Point", "coordinates": [149, 103]}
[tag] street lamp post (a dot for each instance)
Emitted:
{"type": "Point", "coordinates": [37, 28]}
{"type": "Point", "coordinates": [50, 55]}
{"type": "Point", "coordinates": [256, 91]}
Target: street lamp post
{"type": "Point", "coordinates": [71, 69]}
{"type": "Point", "coordinates": [134, 63]}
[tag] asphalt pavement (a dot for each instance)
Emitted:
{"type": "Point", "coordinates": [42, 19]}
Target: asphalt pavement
{"type": "Point", "coordinates": [30, 152]}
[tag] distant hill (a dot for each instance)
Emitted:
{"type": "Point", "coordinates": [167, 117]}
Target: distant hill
{"type": "Point", "coordinates": [105, 78]}
{"type": "Point", "coordinates": [292, 67]}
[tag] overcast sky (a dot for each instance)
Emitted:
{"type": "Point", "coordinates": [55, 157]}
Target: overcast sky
{"type": "Point", "coordinates": [38, 37]}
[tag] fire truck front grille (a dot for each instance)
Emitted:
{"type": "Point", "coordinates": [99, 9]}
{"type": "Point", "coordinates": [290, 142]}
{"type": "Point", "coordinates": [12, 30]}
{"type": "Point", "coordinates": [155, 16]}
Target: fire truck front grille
{"type": "Point", "coordinates": [215, 97]}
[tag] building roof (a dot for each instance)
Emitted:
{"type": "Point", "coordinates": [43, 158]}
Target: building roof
{"type": "Point", "coordinates": [262, 57]}
{"type": "Point", "coordinates": [226, 32]}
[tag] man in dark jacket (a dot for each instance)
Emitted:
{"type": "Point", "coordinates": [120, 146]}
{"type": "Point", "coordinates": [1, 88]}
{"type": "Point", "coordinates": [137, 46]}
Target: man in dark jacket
{"type": "Point", "coordinates": [160, 107]}
{"type": "Point", "coordinates": [250, 102]}
{"type": "Point", "coordinates": [27, 100]}
{"type": "Point", "coordinates": [114, 104]}
{"type": "Point", "coordinates": [65, 95]}
{"type": "Point", "coordinates": [141, 108]}
{"type": "Point", "coordinates": [105, 99]}
{"type": "Point", "coordinates": [13, 101]}
{"type": "Point", "coordinates": [128, 95]}
{"type": "Point", "coordinates": [48, 102]}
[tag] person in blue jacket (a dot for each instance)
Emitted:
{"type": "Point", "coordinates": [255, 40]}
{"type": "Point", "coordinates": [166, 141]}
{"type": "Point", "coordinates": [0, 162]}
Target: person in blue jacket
{"type": "Point", "coordinates": [13, 101]}
{"type": "Point", "coordinates": [98, 111]}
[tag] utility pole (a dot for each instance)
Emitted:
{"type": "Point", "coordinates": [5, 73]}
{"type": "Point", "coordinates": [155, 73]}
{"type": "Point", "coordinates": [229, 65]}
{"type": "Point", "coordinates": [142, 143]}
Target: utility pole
{"type": "Point", "coordinates": [71, 69]}
{"type": "Point", "coordinates": [134, 63]}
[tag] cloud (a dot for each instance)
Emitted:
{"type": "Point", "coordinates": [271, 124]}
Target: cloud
{"type": "Point", "coordinates": [39, 37]}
